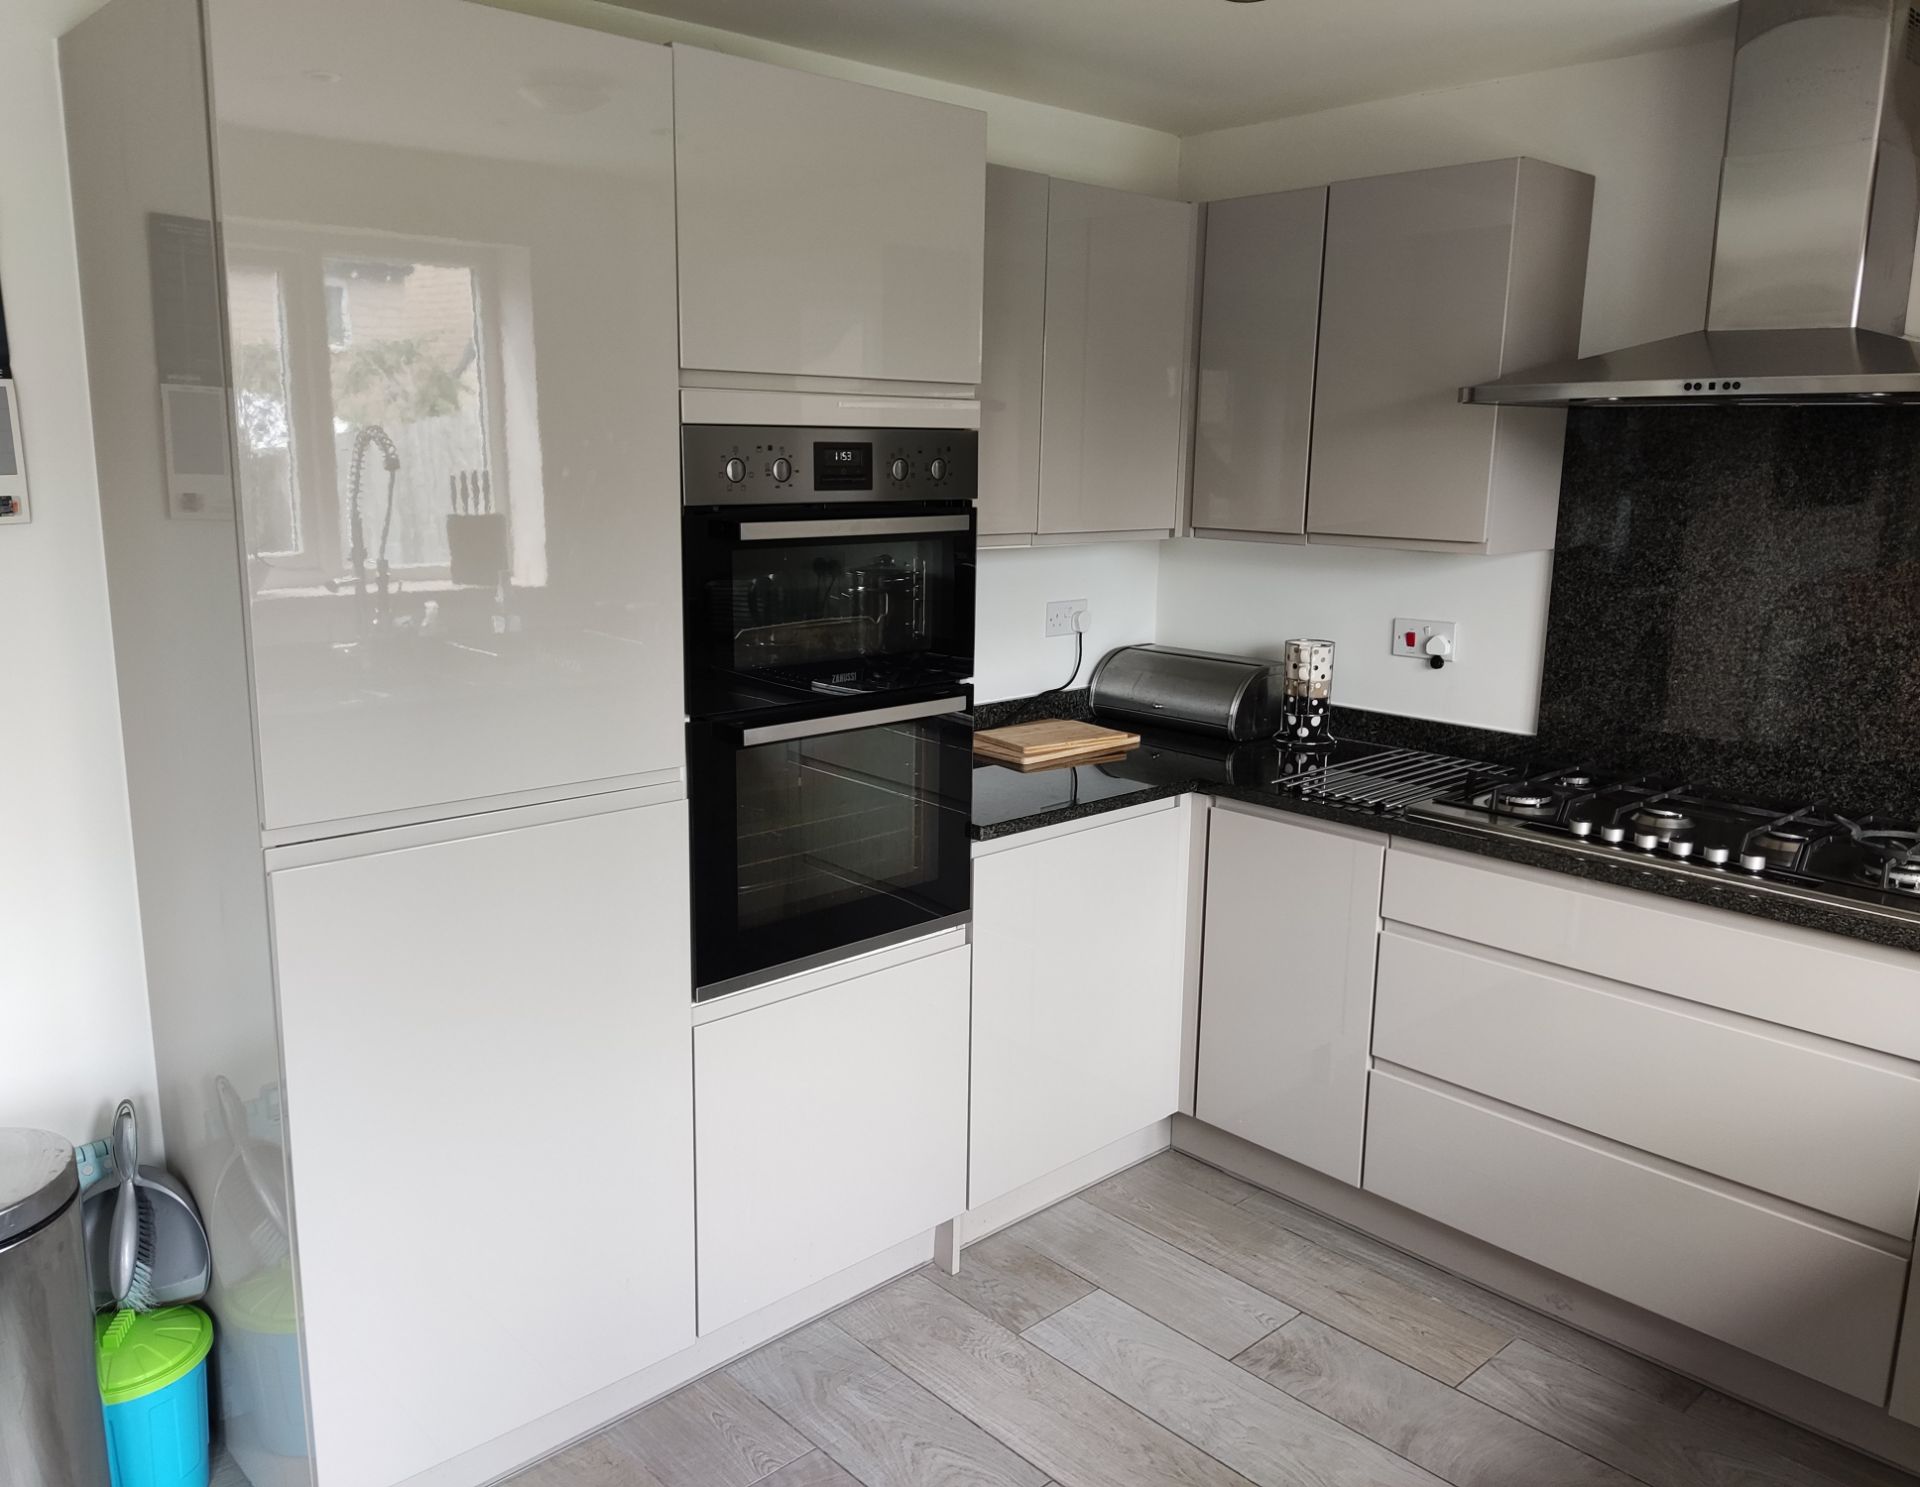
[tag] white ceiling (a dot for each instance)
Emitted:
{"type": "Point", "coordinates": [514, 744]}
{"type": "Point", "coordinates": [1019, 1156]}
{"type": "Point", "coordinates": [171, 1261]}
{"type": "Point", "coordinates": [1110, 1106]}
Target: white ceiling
{"type": "Point", "coordinates": [1186, 66]}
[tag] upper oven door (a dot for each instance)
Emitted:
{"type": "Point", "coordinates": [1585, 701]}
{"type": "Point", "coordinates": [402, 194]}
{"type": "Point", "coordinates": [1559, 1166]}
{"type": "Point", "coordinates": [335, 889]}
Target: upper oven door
{"type": "Point", "coordinates": [832, 601]}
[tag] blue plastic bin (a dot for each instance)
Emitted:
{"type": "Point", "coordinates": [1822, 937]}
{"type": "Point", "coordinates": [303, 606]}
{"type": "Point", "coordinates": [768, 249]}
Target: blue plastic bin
{"type": "Point", "coordinates": [153, 1386]}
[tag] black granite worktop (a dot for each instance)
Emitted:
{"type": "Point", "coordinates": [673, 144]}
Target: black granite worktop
{"type": "Point", "coordinates": [1008, 801]}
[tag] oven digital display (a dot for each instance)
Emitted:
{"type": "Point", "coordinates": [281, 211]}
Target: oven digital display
{"type": "Point", "coordinates": [843, 467]}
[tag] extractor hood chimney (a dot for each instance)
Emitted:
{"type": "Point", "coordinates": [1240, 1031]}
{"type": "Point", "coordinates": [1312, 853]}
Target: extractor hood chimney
{"type": "Point", "coordinates": [1813, 252]}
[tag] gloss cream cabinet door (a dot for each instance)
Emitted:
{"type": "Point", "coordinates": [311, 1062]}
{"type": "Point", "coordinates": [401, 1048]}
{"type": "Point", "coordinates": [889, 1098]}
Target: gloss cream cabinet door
{"type": "Point", "coordinates": [488, 1074]}
{"type": "Point", "coordinates": [1286, 985]}
{"type": "Point", "coordinates": [1012, 353]}
{"type": "Point", "coordinates": [827, 228]}
{"type": "Point", "coordinates": [1259, 327]}
{"type": "Point", "coordinates": [831, 1126]}
{"type": "Point", "coordinates": [1436, 279]}
{"type": "Point", "coordinates": [1119, 321]}
{"type": "Point", "coordinates": [449, 297]}
{"type": "Point", "coordinates": [1078, 978]}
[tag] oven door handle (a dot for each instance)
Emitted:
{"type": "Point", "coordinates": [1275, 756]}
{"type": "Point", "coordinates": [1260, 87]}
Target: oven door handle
{"type": "Point", "coordinates": [852, 526]}
{"type": "Point", "coordinates": [847, 722]}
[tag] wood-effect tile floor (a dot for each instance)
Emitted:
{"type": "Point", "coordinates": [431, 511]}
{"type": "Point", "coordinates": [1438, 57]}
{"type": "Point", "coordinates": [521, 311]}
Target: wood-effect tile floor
{"type": "Point", "coordinates": [1175, 1327]}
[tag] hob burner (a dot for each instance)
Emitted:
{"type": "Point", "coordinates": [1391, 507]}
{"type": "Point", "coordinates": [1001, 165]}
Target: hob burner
{"type": "Point", "coordinates": [1895, 865]}
{"type": "Point", "coordinates": [1522, 798]}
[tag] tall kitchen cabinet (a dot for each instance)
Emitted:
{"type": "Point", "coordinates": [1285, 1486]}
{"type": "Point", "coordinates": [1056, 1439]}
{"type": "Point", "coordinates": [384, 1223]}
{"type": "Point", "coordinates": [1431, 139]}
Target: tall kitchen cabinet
{"type": "Point", "coordinates": [826, 229]}
{"type": "Point", "coordinates": [1286, 985]}
{"type": "Point", "coordinates": [1089, 316]}
{"type": "Point", "coordinates": [386, 413]}
{"type": "Point", "coordinates": [1337, 327]}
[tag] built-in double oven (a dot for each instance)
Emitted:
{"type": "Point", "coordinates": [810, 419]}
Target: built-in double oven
{"type": "Point", "coordinates": [829, 591]}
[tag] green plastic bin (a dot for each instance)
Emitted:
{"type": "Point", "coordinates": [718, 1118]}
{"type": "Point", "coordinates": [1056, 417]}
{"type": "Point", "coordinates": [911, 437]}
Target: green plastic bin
{"type": "Point", "coordinates": [153, 1384]}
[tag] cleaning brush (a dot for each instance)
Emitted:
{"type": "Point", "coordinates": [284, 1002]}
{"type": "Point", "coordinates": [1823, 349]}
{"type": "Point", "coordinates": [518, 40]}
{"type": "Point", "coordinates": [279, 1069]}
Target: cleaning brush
{"type": "Point", "coordinates": [133, 1239]}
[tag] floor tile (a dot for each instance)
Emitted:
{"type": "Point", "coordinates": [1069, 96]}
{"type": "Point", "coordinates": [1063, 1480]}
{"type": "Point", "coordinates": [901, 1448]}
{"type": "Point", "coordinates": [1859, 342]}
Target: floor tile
{"type": "Point", "coordinates": [1010, 1282]}
{"type": "Point", "coordinates": [1165, 1282]}
{"type": "Point", "coordinates": [1074, 1431]}
{"type": "Point", "coordinates": [710, 1434]}
{"type": "Point", "coordinates": [1395, 1318]}
{"type": "Point", "coordinates": [1624, 1428]}
{"type": "Point", "coordinates": [1265, 1435]}
{"type": "Point", "coordinates": [872, 1418]}
{"type": "Point", "coordinates": [1832, 1460]}
{"type": "Point", "coordinates": [1458, 1439]}
{"type": "Point", "coordinates": [1463, 1295]}
{"type": "Point", "coordinates": [598, 1461]}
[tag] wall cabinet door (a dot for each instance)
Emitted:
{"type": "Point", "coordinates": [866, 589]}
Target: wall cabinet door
{"type": "Point", "coordinates": [1120, 290]}
{"type": "Point", "coordinates": [488, 1084]}
{"type": "Point", "coordinates": [456, 406]}
{"type": "Point", "coordinates": [1286, 986]}
{"type": "Point", "coordinates": [827, 228]}
{"type": "Point", "coordinates": [830, 1126]}
{"type": "Point", "coordinates": [1259, 324]}
{"type": "Point", "coordinates": [1436, 279]}
{"type": "Point", "coordinates": [1011, 352]}
{"type": "Point", "coordinates": [1078, 976]}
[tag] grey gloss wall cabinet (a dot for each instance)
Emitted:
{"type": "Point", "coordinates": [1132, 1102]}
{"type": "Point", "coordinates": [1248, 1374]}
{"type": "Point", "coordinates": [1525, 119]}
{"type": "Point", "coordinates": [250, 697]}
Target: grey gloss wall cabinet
{"type": "Point", "coordinates": [1435, 279]}
{"type": "Point", "coordinates": [1259, 333]}
{"type": "Point", "coordinates": [1115, 305]}
{"type": "Point", "coordinates": [827, 228]}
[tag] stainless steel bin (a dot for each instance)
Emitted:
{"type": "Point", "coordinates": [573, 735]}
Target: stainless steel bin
{"type": "Point", "coordinates": [52, 1433]}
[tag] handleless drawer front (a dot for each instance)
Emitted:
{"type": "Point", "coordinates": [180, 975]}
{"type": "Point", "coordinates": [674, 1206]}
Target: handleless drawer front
{"type": "Point", "coordinates": [1859, 993]}
{"type": "Point", "coordinates": [1819, 1123]}
{"type": "Point", "coordinates": [1750, 1273]}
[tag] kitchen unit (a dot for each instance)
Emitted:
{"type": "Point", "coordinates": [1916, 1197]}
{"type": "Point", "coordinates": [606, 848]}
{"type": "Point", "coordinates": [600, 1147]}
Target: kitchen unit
{"type": "Point", "coordinates": [826, 229]}
{"type": "Point", "coordinates": [1079, 981]}
{"type": "Point", "coordinates": [1288, 996]}
{"type": "Point", "coordinates": [1258, 347]}
{"type": "Point", "coordinates": [1088, 354]}
{"type": "Point", "coordinates": [1337, 326]}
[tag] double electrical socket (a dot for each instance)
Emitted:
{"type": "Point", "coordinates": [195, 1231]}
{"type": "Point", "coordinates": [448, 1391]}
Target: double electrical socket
{"type": "Point", "coordinates": [1064, 616]}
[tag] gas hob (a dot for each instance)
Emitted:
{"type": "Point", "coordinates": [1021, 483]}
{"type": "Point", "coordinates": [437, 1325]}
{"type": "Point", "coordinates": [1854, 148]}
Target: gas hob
{"type": "Point", "coordinates": [1671, 825]}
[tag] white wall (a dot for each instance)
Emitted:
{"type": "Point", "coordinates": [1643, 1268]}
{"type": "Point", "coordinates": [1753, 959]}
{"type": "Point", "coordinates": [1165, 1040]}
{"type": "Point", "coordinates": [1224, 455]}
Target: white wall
{"type": "Point", "coordinates": [74, 1035]}
{"type": "Point", "coordinates": [1649, 128]}
{"type": "Point", "coordinates": [1013, 655]}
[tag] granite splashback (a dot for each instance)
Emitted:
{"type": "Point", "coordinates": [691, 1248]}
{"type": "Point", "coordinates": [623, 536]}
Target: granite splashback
{"type": "Point", "coordinates": [1736, 597]}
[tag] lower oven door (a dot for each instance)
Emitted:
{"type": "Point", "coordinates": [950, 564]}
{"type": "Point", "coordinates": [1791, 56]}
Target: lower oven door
{"type": "Point", "coordinates": [823, 838]}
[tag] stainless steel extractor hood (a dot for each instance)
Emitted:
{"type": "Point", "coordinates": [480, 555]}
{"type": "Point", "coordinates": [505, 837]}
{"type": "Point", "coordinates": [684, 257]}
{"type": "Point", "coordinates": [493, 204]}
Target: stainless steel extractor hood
{"type": "Point", "coordinates": [1813, 253]}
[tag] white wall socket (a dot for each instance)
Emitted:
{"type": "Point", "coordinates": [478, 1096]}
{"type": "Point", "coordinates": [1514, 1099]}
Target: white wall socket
{"type": "Point", "coordinates": [1410, 638]}
{"type": "Point", "coordinates": [1061, 614]}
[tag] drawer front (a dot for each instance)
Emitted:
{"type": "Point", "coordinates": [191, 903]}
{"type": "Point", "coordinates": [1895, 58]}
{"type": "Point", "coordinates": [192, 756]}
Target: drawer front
{"type": "Point", "coordinates": [1687, 1082]}
{"type": "Point", "coordinates": [1821, 1303]}
{"type": "Point", "coordinates": [1840, 988]}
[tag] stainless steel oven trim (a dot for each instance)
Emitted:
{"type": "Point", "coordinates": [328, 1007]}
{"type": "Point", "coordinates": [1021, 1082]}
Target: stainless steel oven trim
{"type": "Point", "coordinates": [875, 717]}
{"type": "Point", "coordinates": [705, 995]}
{"type": "Point", "coordinates": [851, 526]}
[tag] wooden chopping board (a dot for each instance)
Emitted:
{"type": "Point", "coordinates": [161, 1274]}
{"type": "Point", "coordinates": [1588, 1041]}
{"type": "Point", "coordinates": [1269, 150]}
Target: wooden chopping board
{"type": "Point", "coordinates": [1052, 741]}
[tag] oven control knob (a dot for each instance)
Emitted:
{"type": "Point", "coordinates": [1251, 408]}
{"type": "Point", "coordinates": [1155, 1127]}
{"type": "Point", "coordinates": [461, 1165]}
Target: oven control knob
{"type": "Point", "coordinates": [1680, 846]}
{"type": "Point", "coordinates": [1716, 855]}
{"type": "Point", "coordinates": [1613, 834]}
{"type": "Point", "coordinates": [1754, 862]}
{"type": "Point", "coordinates": [898, 469]}
{"type": "Point", "coordinates": [735, 470]}
{"type": "Point", "coordinates": [1580, 828]}
{"type": "Point", "coordinates": [1646, 841]}
{"type": "Point", "coordinates": [937, 470]}
{"type": "Point", "coordinates": [783, 469]}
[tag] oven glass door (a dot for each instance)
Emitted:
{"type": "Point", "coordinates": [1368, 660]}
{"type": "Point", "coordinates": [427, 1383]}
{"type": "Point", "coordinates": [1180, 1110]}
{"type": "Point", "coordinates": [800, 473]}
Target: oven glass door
{"type": "Point", "coordinates": [817, 839]}
{"type": "Point", "coordinates": [832, 600]}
